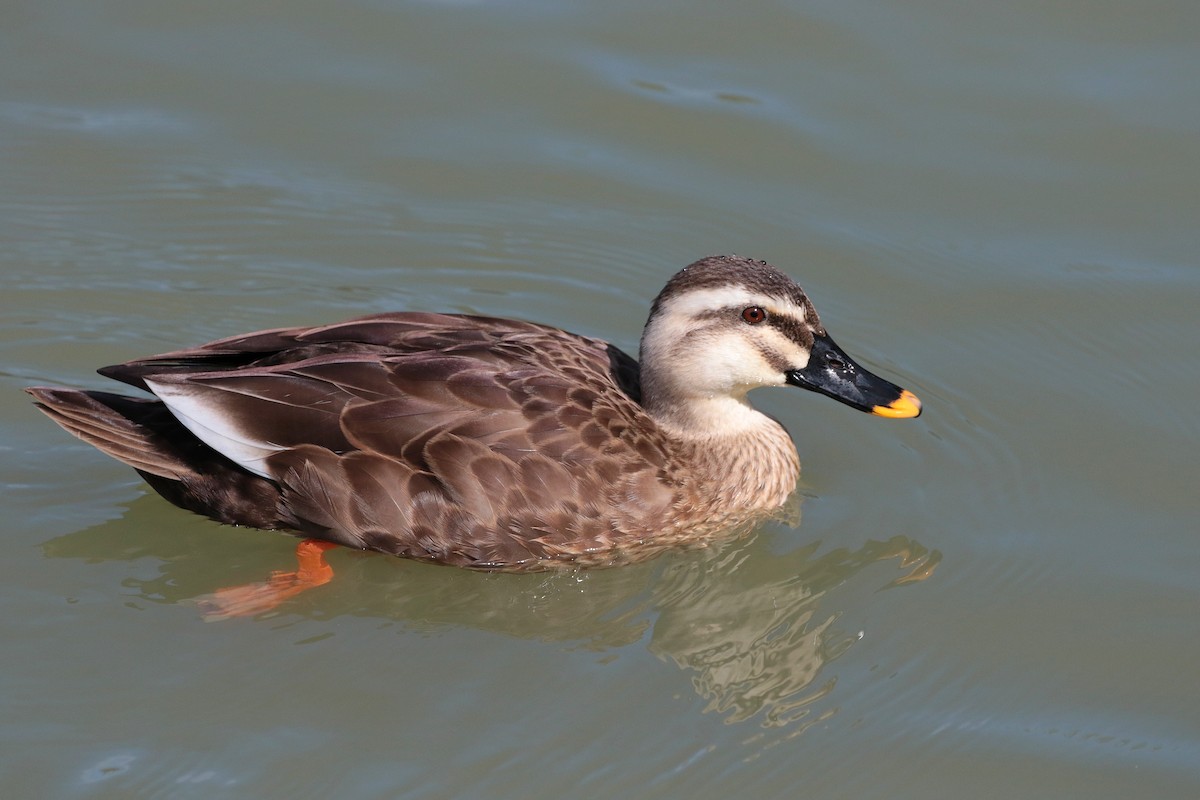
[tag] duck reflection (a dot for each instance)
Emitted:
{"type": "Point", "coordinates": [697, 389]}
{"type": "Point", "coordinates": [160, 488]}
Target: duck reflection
{"type": "Point", "coordinates": [755, 627]}
{"type": "Point", "coordinates": [757, 638]}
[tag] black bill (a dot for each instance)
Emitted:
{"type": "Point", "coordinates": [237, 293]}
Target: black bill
{"type": "Point", "coordinates": [830, 371]}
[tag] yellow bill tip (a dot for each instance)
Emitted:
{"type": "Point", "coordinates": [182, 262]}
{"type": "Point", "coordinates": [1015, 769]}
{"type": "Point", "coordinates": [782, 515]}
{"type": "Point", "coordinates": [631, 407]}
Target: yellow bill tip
{"type": "Point", "coordinates": [904, 406]}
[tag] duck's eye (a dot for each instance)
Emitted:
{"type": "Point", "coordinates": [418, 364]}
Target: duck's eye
{"type": "Point", "coordinates": [754, 314]}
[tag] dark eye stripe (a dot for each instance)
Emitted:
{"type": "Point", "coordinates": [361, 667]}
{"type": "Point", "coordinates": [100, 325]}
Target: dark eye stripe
{"type": "Point", "coordinates": [799, 332]}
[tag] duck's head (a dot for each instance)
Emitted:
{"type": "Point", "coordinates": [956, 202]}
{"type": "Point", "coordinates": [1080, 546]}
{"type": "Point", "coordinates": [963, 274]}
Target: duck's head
{"type": "Point", "coordinates": [725, 325]}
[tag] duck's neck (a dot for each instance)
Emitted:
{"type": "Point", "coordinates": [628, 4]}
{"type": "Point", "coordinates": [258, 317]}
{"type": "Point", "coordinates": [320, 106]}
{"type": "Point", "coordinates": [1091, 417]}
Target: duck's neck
{"type": "Point", "coordinates": [744, 459]}
{"type": "Point", "coordinates": [747, 459]}
{"type": "Point", "coordinates": [700, 417]}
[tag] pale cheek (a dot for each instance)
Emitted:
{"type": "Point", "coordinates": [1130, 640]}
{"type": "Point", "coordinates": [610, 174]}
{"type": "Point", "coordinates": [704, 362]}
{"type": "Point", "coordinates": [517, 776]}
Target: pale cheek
{"type": "Point", "coordinates": [743, 368]}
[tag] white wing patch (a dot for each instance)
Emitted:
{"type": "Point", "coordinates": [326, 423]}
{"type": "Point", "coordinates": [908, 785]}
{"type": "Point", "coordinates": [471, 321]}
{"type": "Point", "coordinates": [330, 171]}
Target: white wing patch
{"type": "Point", "coordinates": [212, 428]}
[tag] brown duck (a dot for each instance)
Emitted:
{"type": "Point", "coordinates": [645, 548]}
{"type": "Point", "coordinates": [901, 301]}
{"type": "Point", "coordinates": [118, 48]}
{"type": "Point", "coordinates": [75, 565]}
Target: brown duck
{"type": "Point", "coordinates": [483, 442]}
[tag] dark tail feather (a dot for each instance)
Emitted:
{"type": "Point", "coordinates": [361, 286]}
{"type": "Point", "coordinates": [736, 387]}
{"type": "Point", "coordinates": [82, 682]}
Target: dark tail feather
{"type": "Point", "coordinates": [143, 434]}
{"type": "Point", "coordinates": [134, 431]}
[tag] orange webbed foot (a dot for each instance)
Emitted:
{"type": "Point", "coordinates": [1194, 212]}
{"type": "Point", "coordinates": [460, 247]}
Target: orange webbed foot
{"type": "Point", "coordinates": [255, 598]}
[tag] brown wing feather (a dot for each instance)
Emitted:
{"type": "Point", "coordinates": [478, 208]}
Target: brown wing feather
{"type": "Point", "coordinates": [468, 440]}
{"type": "Point", "coordinates": [380, 334]}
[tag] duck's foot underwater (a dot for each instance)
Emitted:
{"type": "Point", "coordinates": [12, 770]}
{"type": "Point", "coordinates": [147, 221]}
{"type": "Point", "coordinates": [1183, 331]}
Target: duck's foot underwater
{"type": "Point", "coordinates": [256, 598]}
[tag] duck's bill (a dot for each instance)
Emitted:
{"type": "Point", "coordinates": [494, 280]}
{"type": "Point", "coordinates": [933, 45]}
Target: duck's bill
{"type": "Point", "coordinates": [831, 372]}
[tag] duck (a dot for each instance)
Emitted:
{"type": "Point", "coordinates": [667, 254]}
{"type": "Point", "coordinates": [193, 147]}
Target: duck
{"type": "Point", "coordinates": [487, 443]}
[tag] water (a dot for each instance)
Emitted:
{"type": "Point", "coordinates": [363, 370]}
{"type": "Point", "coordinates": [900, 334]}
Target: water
{"type": "Point", "coordinates": [995, 205]}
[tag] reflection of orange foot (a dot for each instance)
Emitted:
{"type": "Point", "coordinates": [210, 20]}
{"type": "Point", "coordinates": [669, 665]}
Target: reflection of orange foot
{"type": "Point", "coordinates": [923, 562]}
{"type": "Point", "coordinates": [255, 598]}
